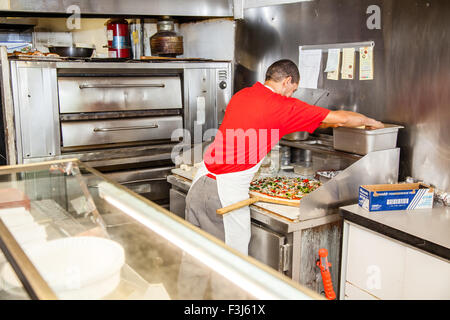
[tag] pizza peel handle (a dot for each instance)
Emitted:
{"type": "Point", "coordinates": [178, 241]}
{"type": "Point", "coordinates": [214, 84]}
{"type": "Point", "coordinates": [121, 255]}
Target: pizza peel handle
{"type": "Point", "coordinates": [253, 200]}
{"type": "Point", "coordinates": [238, 205]}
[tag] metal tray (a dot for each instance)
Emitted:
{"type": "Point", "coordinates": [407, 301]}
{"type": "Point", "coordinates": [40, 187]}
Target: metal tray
{"type": "Point", "coordinates": [363, 141]}
{"type": "Point", "coordinates": [297, 136]}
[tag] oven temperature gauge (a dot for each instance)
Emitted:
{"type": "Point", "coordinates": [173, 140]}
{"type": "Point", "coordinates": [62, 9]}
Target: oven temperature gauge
{"type": "Point", "coordinates": [222, 85]}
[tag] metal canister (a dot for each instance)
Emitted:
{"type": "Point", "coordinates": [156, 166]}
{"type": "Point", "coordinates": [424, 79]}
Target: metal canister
{"type": "Point", "coordinates": [137, 47]}
{"type": "Point", "coordinates": [166, 42]}
{"type": "Point", "coordinates": [275, 159]}
{"type": "Point", "coordinates": [285, 156]}
{"type": "Point", "coordinates": [118, 38]}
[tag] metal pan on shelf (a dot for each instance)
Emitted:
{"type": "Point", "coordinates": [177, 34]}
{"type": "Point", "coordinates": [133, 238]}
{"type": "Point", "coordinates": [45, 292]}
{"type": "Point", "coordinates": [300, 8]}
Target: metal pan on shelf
{"type": "Point", "coordinates": [72, 52]}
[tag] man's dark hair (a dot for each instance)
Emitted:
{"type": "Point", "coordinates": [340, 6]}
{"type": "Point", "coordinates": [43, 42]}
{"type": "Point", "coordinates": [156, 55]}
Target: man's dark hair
{"type": "Point", "coordinates": [283, 69]}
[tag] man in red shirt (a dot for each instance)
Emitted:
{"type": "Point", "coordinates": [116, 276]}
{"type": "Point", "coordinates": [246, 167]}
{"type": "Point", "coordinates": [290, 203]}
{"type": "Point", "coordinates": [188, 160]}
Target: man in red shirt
{"type": "Point", "coordinates": [255, 120]}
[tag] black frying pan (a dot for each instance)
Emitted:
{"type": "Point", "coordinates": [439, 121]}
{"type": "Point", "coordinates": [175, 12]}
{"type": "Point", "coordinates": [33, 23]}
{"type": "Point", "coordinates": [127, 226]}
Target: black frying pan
{"type": "Point", "coordinates": [74, 52]}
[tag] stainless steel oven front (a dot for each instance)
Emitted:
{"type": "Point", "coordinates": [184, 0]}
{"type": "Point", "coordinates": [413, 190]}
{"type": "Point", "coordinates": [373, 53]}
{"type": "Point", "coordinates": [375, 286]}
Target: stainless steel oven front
{"type": "Point", "coordinates": [122, 118]}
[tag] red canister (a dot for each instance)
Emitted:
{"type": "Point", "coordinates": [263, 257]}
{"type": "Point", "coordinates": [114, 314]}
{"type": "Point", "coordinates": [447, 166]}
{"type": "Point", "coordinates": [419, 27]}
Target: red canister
{"type": "Point", "coordinates": [118, 38]}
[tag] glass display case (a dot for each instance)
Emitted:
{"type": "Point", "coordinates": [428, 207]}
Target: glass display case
{"type": "Point", "coordinates": [67, 232]}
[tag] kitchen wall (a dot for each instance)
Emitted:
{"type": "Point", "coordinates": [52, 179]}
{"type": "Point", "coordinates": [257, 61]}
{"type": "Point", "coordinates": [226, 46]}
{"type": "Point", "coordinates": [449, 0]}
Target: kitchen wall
{"type": "Point", "coordinates": [412, 61]}
{"type": "Point", "coordinates": [209, 39]}
{"type": "Point", "coordinates": [50, 31]}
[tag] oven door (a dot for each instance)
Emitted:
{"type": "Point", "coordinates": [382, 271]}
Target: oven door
{"type": "Point", "coordinates": [269, 248]}
{"type": "Point", "coordinates": [178, 203]}
{"type": "Point", "coordinates": [149, 183]}
{"type": "Point", "coordinates": [103, 94]}
{"type": "Point", "coordinates": [101, 132]}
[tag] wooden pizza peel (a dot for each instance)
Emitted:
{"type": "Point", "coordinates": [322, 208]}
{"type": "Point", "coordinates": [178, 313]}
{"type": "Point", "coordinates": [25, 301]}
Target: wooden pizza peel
{"type": "Point", "coordinates": [257, 197]}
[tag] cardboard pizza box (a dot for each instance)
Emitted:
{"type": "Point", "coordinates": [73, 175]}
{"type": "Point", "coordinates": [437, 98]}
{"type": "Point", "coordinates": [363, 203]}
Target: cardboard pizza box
{"type": "Point", "coordinates": [13, 198]}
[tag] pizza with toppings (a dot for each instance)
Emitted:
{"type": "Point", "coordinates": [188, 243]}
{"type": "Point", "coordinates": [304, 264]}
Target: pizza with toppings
{"type": "Point", "coordinates": [283, 187]}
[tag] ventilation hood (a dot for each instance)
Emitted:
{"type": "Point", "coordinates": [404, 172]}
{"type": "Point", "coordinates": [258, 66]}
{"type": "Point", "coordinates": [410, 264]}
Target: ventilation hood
{"type": "Point", "coordinates": [189, 8]}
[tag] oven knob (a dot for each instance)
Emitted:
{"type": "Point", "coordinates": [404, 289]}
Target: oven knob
{"type": "Point", "coordinates": [223, 85]}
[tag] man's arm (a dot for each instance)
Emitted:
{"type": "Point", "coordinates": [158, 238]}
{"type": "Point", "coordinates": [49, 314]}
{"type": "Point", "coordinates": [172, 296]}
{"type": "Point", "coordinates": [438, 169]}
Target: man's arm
{"type": "Point", "coordinates": [350, 119]}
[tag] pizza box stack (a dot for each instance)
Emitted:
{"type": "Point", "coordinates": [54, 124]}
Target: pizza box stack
{"type": "Point", "coordinates": [15, 214]}
{"type": "Point", "coordinates": [388, 197]}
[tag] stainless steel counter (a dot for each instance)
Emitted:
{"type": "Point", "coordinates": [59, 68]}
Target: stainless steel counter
{"type": "Point", "coordinates": [285, 245]}
{"type": "Point", "coordinates": [291, 245]}
{"type": "Point", "coordinates": [426, 229]}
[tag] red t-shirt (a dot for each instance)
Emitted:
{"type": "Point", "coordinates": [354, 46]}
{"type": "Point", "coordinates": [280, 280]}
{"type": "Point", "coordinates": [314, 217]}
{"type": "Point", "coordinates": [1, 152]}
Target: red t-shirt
{"type": "Point", "coordinates": [255, 120]}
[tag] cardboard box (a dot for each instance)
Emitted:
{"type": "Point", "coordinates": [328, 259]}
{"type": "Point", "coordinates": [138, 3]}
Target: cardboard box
{"type": "Point", "coordinates": [385, 197]}
{"type": "Point", "coordinates": [13, 198]}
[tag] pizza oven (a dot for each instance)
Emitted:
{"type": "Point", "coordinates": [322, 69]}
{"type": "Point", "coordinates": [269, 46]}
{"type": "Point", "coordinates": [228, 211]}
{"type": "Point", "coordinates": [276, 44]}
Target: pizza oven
{"type": "Point", "coordinates": [121, 118]}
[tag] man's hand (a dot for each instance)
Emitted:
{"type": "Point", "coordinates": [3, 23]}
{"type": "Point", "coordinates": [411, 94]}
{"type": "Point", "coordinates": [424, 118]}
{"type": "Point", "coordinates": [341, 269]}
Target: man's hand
{"type": "Point", "coordinates": [374, 124]}
{"type": "Point", "coordinates": [350, 119]}
{"type": "Point", "coordinates": [327, 125]}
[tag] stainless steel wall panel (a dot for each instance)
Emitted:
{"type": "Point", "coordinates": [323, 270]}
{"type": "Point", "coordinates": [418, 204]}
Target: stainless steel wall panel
{"type": "Point", "coordinates": [374, 168]}
{"type": "Point", "coordinates": [411, 61]}
{"type": "Point", "coordinates": [201, 113]}
{"type": "Point", "coordinates": [101, 94]}
{"type": "Point", "coordinates": [224, 89]}
{"type": "Point", "coordinates": [38, 112]}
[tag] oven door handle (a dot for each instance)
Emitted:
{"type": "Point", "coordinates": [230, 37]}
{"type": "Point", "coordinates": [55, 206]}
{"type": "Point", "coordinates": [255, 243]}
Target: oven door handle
{"type": "Point", "coordinates": [152, 126]}
{"type": "Point", "coordinates": [134, 181]}
{"type": "Point", "coordinates": [119, 85]}
{"type": "Point", "coordinates": [142, 181]}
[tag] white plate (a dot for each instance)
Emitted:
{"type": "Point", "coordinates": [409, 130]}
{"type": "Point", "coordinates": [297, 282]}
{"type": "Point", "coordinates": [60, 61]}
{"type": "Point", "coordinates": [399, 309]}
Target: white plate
{"type": "Point", "coordinates": [75, 267]}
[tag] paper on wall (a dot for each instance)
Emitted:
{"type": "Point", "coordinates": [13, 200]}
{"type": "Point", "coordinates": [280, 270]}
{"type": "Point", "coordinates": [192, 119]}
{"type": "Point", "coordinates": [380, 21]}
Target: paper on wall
{"type": "Point", "coordinates": [366, 63]}
{"type": "Point", "coordinates": [348, 63]}
{"type": "Point", "coordinates": [334, 59]}
{"type": "Point", "coordinates": [309, 67]}
{"type": "Point", "coordinates": [334, 75]}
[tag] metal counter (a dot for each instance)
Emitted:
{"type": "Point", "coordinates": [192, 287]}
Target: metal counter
{"type": "Point", "coordinates": [291, 246]}
{"type": "Point", "coordinates": [285, 245]}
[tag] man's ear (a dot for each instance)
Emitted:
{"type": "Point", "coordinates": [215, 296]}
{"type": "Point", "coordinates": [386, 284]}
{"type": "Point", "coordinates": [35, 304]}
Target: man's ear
{"type": "Point", "coordinates": [287, 80]}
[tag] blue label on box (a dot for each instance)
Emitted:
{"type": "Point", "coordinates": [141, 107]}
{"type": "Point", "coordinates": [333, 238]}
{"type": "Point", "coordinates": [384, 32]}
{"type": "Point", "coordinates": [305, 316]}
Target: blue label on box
{"type": "Point", "coordinates": [395, 200]}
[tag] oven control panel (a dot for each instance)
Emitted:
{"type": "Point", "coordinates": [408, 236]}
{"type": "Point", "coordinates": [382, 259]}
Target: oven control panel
{"type": "Point", "coordinates": [224, 92]}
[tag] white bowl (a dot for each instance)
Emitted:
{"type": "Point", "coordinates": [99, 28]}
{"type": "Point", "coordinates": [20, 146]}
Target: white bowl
{"type": "Point", "coordinates": [75, 267]}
